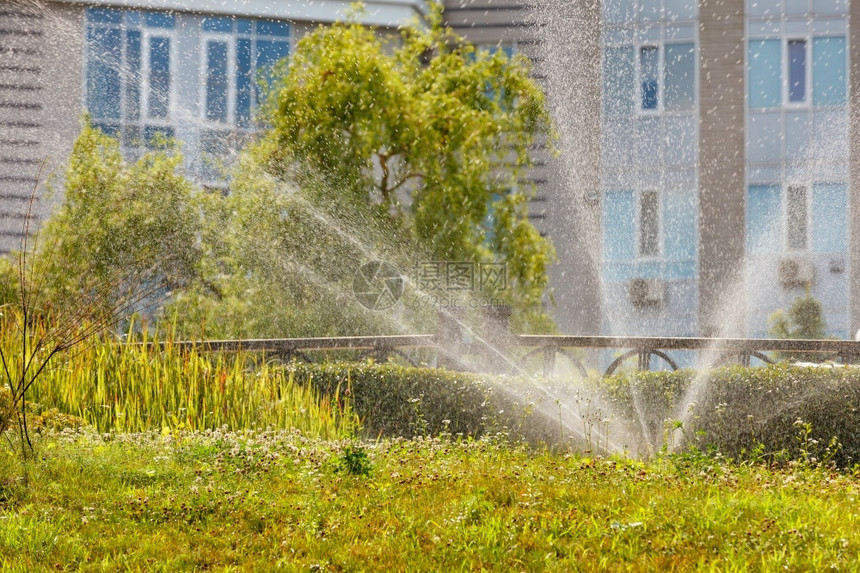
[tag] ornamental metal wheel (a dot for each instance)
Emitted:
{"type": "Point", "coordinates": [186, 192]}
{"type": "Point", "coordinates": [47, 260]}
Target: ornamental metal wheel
{"type": "Point", "coordinates": [644, 360]}
{"type": "Point", "coordinates": [381, 354]}
{"type": "Point", "coordinates": [743, 358]}
{"type": "Point", "coordinates": [549, 355]}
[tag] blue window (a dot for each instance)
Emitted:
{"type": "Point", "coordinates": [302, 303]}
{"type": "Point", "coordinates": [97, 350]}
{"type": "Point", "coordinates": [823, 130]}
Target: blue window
{"type": "Point", "coordinates": [829, 218]}
{"type": "Point", "coordinates": [132, 88]}
{"type": "Point", "coordinates": [680, 226]}
{"type": "Point", "coordinates": [619, 226]}
{"type": "Point", "coordinates": [216, 81]}
{"type": "Point", "coordinates": [765, 73]}
{"type": "Point", "coordinates": [764, 227]}
{"type": "Point", "coordinates": [244, 81]}
{"type": "Point", "coordinates": [828, 71]}
{"type": "Point", "coordinates": [218, 25]}
{"type": "Point", "coordinates": [160, 20]}
{"type": "Point", "coordinates": [128, 71]}
{"type": "Point", "coordinates": [255, 46]}
{"type": "Point", "coordinates": [159, 76]}
{"type": "Point", "coordinates": [679, 76]}
{"type": "Point", "coordinates": [269, 52]}
{"type": "Point", "coordinates": [797, 71]}
{"type": "Point", "coordinates": [271, 28]}
{"type": "Point", "coordinates": [649, 64]}
{"type": "Point", "coordinates": [619, 72]}
{"type": "Point", "coordinates": [104, 15]}
{"type": "Point", "coordinates": [103, 73]}
{"type": "Point", "coordinates": [152, 134]}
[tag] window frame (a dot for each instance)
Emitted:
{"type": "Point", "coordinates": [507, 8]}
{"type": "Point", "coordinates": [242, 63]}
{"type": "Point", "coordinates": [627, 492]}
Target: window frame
{"type": "Point", "coordinates": [660, 47]}
{"type": "Point", "coordinates": [807, 71]}
{"type": "Point", "coordinates": [206, 38]}
{"type": "Point", "coordinates": [144, 120]}
{"type": "Point", "coordinates": [232, 39]}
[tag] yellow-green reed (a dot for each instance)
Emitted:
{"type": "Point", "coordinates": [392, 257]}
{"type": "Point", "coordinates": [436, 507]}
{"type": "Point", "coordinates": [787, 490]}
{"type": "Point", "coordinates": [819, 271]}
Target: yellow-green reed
{"type": "Point", "coordinates": [156, 385]}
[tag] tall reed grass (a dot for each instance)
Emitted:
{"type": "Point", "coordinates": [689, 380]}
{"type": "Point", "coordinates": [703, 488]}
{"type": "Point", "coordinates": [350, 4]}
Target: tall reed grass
{"type": "Point", "coordinates": [152, 384]}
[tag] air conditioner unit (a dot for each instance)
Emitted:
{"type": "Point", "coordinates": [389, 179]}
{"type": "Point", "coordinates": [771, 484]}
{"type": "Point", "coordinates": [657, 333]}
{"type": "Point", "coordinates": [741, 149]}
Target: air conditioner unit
{"type": "Point", "coordinates": [795, 272]}
{"type": "Point", "coordinates": [647, 293]}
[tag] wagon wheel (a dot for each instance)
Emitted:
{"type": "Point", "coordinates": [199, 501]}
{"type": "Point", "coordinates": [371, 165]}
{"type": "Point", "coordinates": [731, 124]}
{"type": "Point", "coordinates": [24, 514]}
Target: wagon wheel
{"type": "Point", "coordinates": [644, 360]}
{"type": "Point", "coordinates": [743, 357]}
{"type": "Point", "coordinates": [549, 353]}
{"type": "Point", "coordinates": [383, 352]}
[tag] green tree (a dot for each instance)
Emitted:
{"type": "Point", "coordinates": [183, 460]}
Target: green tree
{"type": "Point", "coordinates": [415, 144]}
{"type": "Point", "coordinates": [804, 320]}
{"type": "Point", "coordinates": [122, 231]}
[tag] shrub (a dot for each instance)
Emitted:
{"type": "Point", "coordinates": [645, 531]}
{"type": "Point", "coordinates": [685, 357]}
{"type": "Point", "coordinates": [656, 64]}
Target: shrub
{"type": "Point", "coordinates": [739, 410]}
{"type": "Point", "coordinates": [393, 400]}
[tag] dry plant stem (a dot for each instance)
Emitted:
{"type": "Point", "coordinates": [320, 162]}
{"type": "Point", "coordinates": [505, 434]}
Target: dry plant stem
{"type": "Point", "coordinates": [44, 338]}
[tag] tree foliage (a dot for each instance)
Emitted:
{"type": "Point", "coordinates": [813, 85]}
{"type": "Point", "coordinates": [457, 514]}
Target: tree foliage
{"type": "Point", "coordinates": [418, 142]}
{"type": "Point", "coordinates": [120, 226]}
{"type": "Point", "coordinates": [804, 320]}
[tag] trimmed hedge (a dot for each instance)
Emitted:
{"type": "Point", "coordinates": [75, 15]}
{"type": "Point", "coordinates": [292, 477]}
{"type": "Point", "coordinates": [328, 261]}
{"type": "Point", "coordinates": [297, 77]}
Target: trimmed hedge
{"type": "Point", "coordinates": [740, 412]}
{"type": "Point", "coordinates": [779, 411]}
{"type": "Point", "coordinates": [393, 400]}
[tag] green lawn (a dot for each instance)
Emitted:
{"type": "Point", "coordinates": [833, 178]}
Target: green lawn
{"type": "Point", "coordinates": [265, 501]}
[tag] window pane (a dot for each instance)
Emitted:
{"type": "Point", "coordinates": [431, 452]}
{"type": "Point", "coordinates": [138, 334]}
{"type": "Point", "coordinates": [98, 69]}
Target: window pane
{"type": "Point", "coordinates": [764, 230]}
{"type": "Point", "coordinates": [217, 24]}
{"type": "Point", "coordinates": [269, 52]}
{"type": "Point", "coordinates": [796, 218]}
{"type": "Point", "coordinates": [269, 28]}
{"type": "Point", "coordinates": [829, 218]}
{"type": "Point", "coordinates": [797, 70]}
{"type": "Point", "coordinates": [649, 62]}
{"type": "Point", "coordinates": [649, 224]}
{"type": "Point", "coordinates": [796, 7]}
{"type": "Point", "coordinates": [680, 225]}
{"type": "Point", "coordinates": [103, 69]}
{"type": "Point", "coordinates": [110, 129]}
{"type": "Point", "coordinates": [132, 86]}
{"type": "Point", "coordinates": [618, 80]}
{"type": "Point", "coordinates": [216, 81]}
{"type": "Point", "coordinates": [764, 138]}
{"type": "Point", "coordinates": [244, 25]}
{"type": "Point", "coordinates": [680, 9]}
{"type": "Point", "coordinates": [617, 11]}
{"type": "Point", "coordinates": [619, 228]}
{"type": "Point", "coordinates": [104, 15]}
{"type": "Point", "coordinates": [152, 135]}
{"type": "Point", "coordinates": [649, 10]}
{"type": "Point", "coordinates": [243, 82]}
{"type": "Point", "coordinates": [159, 76]}
{"type": "Point", "coordinates": [680, 76]}
{"type": "Point", "coordinates": [133, 18]}
{"type": "Point", "coordinates": [765, 73]}
{"type": "Point", "coordinates": [828, 71]}
{"type": "Point", "coordinates": [160, 20]}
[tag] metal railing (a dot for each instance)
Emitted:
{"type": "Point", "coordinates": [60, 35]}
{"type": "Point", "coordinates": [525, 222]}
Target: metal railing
{"type": "Point", "coordinates": [547, 348]}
